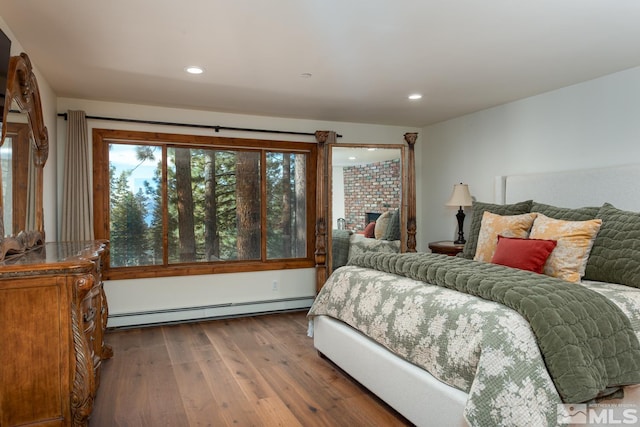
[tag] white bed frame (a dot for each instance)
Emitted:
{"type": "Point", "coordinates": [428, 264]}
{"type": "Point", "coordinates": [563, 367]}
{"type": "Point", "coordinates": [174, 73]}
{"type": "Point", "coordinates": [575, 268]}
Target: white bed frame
{"type": "Point", "coordinates": [413, 392]}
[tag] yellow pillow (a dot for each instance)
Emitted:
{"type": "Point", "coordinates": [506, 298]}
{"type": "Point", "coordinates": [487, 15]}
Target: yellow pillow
{"type": "Point", "coordinates": [575, 240]}
{"type": "Point", "coordinates": [493, 225]}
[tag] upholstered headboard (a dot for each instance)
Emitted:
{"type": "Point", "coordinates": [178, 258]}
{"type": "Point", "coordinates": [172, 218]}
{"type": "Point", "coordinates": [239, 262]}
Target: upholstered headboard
{"type": "Point", "coordinates": [619, 185]}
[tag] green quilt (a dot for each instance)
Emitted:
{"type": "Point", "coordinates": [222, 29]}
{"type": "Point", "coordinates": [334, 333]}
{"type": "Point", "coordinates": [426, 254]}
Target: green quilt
{"type": "Point", "coordinates": [587, 343]}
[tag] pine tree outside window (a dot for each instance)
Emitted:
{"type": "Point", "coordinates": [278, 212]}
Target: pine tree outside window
{"type": "Point", "coordinates": [179, 204]}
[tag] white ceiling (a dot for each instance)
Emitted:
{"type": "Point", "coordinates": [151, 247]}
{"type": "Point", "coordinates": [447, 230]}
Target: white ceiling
{"type": "Point", "coordinates": [365, 56]}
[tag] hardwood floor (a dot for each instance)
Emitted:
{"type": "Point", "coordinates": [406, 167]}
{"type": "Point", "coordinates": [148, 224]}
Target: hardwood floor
{"type": "Point", "coordinates": [253, 371]}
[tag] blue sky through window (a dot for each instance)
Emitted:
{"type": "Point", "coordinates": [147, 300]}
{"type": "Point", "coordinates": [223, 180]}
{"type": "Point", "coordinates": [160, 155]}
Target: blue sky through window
{"type": "Point", "coordinates": [124, 157]}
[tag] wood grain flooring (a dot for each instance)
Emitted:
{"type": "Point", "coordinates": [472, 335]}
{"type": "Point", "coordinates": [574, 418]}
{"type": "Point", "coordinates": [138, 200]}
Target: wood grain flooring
{"type": "Point", "coordinates": [252, 371]}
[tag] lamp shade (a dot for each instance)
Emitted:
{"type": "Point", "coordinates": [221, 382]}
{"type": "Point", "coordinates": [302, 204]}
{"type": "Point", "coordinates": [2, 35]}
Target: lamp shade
{"type": "Point", "coordinates": [460, 196]}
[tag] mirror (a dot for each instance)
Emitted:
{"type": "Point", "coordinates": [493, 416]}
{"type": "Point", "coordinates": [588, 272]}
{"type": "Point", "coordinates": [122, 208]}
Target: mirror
{"type": "Point", "coordinates": [18, 177]}
{"type": "Point", "coordinates": [365, 181]}
{"type": "Point", "coordinates": [359, 184]}
{"type": "Point", "coordinates": [24, 148]}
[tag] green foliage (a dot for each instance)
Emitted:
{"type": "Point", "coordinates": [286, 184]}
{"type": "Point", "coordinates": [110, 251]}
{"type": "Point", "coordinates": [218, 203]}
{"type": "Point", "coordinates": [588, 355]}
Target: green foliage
{"type": "Point", "coordinates": [139, 223]}
{"type": "Point", "coordinates": [128, 229]}
{"type": "Point", "coordinates": [285, 225]}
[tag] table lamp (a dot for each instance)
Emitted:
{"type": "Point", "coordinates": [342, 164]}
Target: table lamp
{"type": "Point", "coordinates": [460, 197]}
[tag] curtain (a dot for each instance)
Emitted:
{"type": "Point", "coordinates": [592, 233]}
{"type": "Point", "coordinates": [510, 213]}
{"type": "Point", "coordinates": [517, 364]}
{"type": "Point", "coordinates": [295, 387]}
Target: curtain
{"type": "Point", "coordinates": [77, 209]}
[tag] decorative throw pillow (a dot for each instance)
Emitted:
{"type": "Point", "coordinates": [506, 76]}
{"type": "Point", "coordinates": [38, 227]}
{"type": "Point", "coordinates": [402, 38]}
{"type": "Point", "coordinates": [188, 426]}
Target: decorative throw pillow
{"type": "Point", "coordinates": [575, 239]}
{"type": "Point", "coordinates": [369, 230]}
{"type": "Point", "coordinates": [393, 229]}
{"type": "Point", "coordinates": [615, 256]}
{"type": "Point", "coordinates": [493, 225]}
{"type": "Point", "coordinates": [381, 224]}
{"type": "Point", "coordinates": [525, 254]}
{"type": "Point", "coordinates": [479, 208]}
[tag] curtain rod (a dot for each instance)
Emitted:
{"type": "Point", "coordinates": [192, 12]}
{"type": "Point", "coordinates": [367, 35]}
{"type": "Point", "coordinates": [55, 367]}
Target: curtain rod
{"type": "Point", "coordinates": [214, 127]}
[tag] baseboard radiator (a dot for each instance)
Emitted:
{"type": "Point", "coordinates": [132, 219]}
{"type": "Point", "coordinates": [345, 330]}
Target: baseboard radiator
{"type": "Point", "coordinates": [208, 312]}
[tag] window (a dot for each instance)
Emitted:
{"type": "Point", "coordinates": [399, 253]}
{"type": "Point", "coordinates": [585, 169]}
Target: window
{"type": "Point", "coordinates": [182, 204]}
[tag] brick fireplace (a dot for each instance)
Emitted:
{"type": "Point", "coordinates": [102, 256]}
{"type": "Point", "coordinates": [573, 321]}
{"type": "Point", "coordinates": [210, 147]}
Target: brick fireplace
{"type": "Point", "coordinates": [373, 188]}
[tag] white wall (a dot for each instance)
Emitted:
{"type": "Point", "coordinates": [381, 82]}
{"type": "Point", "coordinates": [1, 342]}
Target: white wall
{"type": "Point", "coordinates": [592, 124]}
{"type": "Point", "coordinates": [337, 188]}
{"type": "Point", "coordinates": [162, 294]}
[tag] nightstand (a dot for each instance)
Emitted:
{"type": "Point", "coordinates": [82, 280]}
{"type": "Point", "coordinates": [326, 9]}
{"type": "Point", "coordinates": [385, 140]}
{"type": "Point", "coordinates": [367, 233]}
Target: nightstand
{"type": "Point", "coordinates": [446, 247]}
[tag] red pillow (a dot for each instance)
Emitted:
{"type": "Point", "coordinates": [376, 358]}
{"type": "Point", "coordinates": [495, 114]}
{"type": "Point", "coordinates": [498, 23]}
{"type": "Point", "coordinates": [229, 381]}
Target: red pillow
{"type": "Point", "coordinates": [370, 230]}
{"type": "Point", "coordinates": [525, 254]}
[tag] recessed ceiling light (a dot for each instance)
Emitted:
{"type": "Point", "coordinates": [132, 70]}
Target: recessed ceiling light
{"type": "Point", "coordinates": [194, 69]}
{"type": "Point", "coordinates": [415, 96]}
{"type": "Point", "coordinates": [371, 149]}
{"type": "Point", "coordinates": [352, 157]}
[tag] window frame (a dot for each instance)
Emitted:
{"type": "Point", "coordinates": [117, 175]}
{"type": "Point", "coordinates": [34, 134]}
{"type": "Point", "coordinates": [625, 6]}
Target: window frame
{"type": "Point", "coordinates": [101, 192]}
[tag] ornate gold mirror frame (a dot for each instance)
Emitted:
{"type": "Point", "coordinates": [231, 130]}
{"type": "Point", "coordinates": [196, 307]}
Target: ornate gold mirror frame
{"type": "Point", "coordinates": [326, 140]}
{"type": "Point", "coordinates": [22, 89]}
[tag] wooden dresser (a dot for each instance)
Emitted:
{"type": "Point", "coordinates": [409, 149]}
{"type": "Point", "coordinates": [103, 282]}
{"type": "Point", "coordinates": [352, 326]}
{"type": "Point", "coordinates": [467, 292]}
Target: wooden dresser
{"type": "Point", "coordinates": [53, 313]}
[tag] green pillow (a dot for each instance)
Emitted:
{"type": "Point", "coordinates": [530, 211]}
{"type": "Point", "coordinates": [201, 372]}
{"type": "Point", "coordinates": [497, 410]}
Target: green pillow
{"type": "Point", "coordinates": [339, 248]}
{"type": "Point", "coordinates": [566, 214]}
{"type": "Point", "coordinates": [478, 208]}
{"type": "Point", "coordinates": [393, 228]}
{"type": "Point", "coordinates": [615, 256]}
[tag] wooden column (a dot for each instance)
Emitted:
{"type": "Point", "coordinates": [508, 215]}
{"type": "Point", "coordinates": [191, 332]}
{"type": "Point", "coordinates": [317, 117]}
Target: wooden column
{"type": "Point", "coordinates": [411, 138]}
{"type": "Point", "coordinates": [324, 138]}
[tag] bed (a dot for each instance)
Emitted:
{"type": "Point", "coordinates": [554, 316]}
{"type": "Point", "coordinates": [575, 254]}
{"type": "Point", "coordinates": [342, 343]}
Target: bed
{"type": "Point", "coordinates": [346, 244]}
{"type": "Point", "coordinates": [382, 234]}
{"type": "Point", "coordinates": [464, 360]}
